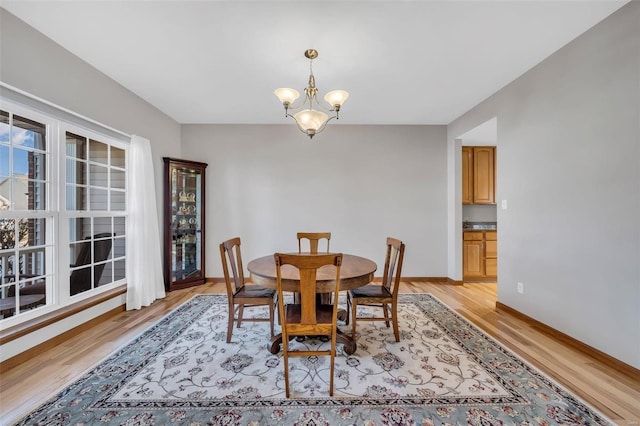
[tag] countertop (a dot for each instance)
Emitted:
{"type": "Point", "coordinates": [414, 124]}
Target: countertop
{"type": "Point", "coordinates": [479, 226]}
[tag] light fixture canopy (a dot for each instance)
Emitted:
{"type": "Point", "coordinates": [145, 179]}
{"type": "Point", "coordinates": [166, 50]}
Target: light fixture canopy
{"type": "Point", "coordinates": [309, 120]}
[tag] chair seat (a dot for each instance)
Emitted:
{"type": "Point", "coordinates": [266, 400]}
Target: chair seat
{"type": "Point", "coordinates": [254, 291]}
{"type": "Point", "coordinates": [370, 291]}
{"type": "Point", "coordinates": [293, 313]}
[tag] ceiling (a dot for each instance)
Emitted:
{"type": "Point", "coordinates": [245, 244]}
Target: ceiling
{"type": "Point", "coordinates": [403, 62]}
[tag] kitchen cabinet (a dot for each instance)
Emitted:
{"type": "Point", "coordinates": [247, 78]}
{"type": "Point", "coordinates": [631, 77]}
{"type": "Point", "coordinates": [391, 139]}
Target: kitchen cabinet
{"type": "Point", "coordinates": [184, 226]}
{"type": "Point", "coordinates": [478, 175]}
{"type": "Point", "coordinates": [467, 175]}
{"type": "Point", "coordinates": [480, 255]}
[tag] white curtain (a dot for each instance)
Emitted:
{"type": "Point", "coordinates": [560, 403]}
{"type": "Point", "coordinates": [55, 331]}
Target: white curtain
{"type": "Point", "coordinates": [145, 281]}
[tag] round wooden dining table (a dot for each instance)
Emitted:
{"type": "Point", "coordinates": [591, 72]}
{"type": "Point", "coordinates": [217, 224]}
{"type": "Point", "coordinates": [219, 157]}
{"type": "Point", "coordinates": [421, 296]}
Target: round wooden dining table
{"type": "Point", "coordinates": [355, 271]}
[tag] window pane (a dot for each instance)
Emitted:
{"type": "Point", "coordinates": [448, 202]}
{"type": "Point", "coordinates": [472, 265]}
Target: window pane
{"type": "Point", "coordinates": [118, 201]}
{"type": "Point", "coordinates": [80, 253]}
{"type": "Point", "coordinates": [98, 152]}
{"type": "Point", "coordinates": [103, 246]}
{"type": "Point", "coordinates": [118, 270]}
{"type": "Point", "coordinates": [98, 199]}
{"type": "Point", "coordinates": [29, 164]}
{"type": "Point", "coordinates": [76, 197]}
{"type": "Point", "coordinates": [104, 273]}
{"type": "Point", "coordinates": [79, 229]}
{"type": "Point", "coordinates": [80, 280]}
{"type": "Point", "coordinates": [102, 225]}
{"type": "Point", "coordinates": [119, 226]}
{"type": "Point", "coordinates": [32, 262]}
{"type": "Point", "coordinates": [7, 234]}
{"type": "Point", "coordinates": [117, 157]}
{"type": "Point", "coordinates": [4, 163]}
{"type": "Point", "coordinates": [119, 247]}
{"type": "Point", "coordinates": [36, 198]}
{"type": "Point", "coordinates": [29, 133]}
{"type": "Point", "coordinates": [7, 270]}
{"type": "Point", "coordinates": [98, 176]}
{"type": "Point", "coordinates": [9, 312]}
{"type": "Point", "coordinates": [38, 165]}
{"type": "Point", "coordinates": [76, 146]}
{"type": "Point", "coordinates": [76, 171]}
{"type": "Point", "coordinates": [19, 194]}
{"type": "Point", "coordinates": [33, 293]}
{"type": "Point", "coordinates": [32, 232]}
{"type": "Point", "coordinates": [7, 286]}
{"type": "Point", "coordinates": [117, 179]}
{"type": "Point", "coordinates": [4, 127]}
{"type": "Point", "coordinates": [21, 162]}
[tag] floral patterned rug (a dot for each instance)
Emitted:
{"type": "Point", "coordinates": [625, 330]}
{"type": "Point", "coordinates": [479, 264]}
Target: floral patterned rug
{"type": "Point", "coordinates": [444, 371]}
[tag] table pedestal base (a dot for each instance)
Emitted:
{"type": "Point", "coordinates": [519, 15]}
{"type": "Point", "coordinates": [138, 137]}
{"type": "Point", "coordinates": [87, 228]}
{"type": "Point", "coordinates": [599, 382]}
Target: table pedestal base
{"type": "Point", "coordinates": [349, 344]}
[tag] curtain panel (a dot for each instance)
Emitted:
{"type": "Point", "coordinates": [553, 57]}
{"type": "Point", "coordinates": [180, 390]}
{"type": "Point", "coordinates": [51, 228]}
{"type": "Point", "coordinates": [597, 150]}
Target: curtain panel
{"type": "Point", "coordinates": [145, 282]}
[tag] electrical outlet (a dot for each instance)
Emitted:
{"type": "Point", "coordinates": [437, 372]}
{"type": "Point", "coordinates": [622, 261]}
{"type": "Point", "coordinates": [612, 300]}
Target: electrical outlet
{"type": "Point", "coordinates": [520, 288]}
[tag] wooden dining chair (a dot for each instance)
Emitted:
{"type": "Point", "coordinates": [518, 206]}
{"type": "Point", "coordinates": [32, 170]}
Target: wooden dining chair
{"type": "Point", "coordinates": [308, 318]}
{"type": "Point", "coordinates": [384, 295]}
{"type": "Point", "coordinates": [240, 294]}
{"type": "Point", "coordinates": [314, 239]}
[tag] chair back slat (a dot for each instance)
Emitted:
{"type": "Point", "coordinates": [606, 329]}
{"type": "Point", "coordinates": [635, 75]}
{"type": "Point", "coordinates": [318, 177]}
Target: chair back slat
{"type": "Point", "coordinates": [393, 265]}
{"type": "Point", "coordinates": [231, 257]}
{"type": "Point", "coordinates": [314, 239]}
{"type": "Point", "coordinates": [308, 296]}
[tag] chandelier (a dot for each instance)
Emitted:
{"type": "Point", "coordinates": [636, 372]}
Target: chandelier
{"type": "Point", "coordinates": [309, 120]}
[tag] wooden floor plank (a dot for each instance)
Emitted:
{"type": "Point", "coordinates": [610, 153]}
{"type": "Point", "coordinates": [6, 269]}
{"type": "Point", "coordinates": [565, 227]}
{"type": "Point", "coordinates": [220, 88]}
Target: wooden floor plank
{"type": "Point", "coordinates": [615, 395]}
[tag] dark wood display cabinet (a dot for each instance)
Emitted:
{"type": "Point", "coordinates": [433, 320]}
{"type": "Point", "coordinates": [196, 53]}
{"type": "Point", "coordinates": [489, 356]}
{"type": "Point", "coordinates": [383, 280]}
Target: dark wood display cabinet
{"type": "Point", "coordinates": [184, 227]}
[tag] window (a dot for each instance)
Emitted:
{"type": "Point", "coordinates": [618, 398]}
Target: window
{"type": "Point", "coordinates": [62, 213]}
{"type": "Point", "coordinates": [96, 206]}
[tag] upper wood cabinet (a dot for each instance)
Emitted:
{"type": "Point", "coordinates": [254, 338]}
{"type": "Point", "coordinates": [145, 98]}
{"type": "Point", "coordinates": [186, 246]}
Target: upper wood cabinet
{"type": "Point", "coordinates": [478, 175]}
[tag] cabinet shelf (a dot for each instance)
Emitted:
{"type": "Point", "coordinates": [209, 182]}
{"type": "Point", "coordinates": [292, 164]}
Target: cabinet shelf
{"type": "Point", "coordinates": [184, 256]}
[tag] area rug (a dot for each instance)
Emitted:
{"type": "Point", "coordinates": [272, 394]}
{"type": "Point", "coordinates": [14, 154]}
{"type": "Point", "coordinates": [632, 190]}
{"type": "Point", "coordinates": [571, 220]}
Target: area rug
{"type": "Point", "coordinates": [444, 371]}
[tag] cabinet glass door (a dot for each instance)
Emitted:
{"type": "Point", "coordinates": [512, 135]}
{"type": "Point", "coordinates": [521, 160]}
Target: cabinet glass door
{"type": "Point", "coordinates": [186, 225]}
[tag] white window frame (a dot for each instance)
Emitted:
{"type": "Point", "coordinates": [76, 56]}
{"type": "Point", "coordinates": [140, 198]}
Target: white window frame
{"type": "Point", "coordinates": [57, 228]}
{"type": "Point", "coordinates": [66, 215]}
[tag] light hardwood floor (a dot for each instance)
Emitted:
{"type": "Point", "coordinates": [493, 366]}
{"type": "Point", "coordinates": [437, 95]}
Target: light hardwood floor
{"type": "Point", "coordinates": [612, 392]}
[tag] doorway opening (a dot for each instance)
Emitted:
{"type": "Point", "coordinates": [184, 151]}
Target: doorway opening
{"type": "Point", "coordinates": [479, 208]}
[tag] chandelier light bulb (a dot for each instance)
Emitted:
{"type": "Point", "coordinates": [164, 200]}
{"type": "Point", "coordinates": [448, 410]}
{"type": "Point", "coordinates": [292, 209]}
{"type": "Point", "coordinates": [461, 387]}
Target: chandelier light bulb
{"type": "Point", "coordinates": [336, 98]}
{"type": "Point", "coordinates": [311, 121]}
{"type": "Point", "coordinates": [286, 95]}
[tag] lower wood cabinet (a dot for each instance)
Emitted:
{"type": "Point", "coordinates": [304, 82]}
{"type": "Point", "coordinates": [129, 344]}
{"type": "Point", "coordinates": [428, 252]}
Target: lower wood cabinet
{"type": "Point", "coordinates": [480, 255]}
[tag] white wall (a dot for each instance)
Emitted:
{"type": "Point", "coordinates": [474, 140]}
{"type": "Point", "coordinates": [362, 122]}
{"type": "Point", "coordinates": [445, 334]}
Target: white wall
{"type": "Point", "coordinates": [361, 183]}
{"type": "Point", "coordinates": [569, 165]}
{"type": "Point", "coordinates": [35, 64]}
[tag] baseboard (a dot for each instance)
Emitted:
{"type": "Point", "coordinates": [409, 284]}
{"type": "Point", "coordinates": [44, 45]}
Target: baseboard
{"type": "Point", "coordinates": [480, 280]}
{"type": "Point", "coordinates": [582, 347]}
